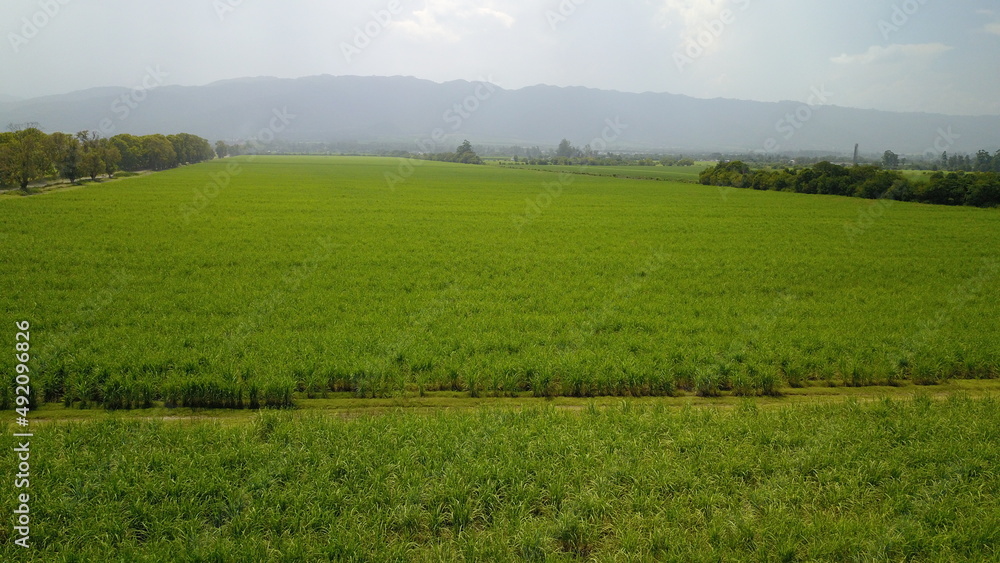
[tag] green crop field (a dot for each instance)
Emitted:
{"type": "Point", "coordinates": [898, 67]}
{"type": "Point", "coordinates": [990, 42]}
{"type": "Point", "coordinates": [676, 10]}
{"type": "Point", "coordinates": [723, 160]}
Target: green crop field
{"type": "Point", "coordinates": [909, 480]}
{"type": "Point", "coordinates": [918, 175]}
{"type": "Point", "coordinates": [247, 282]}
{"type": "Point", "coordinates": [440, 328]}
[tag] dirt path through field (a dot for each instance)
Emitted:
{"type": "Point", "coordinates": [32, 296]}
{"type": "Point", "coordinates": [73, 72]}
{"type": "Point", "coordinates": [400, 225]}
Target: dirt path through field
{"type": "Point", "coordinates": [347, 407]}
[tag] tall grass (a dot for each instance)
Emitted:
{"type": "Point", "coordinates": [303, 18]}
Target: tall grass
{"type": "Point", "coordinates": [907, 480]}
{"type": "Point", "coordinates": [222, 393]}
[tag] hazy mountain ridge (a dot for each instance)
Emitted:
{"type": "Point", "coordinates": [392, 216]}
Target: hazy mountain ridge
{"type": "Point", "coordinates": [408, 110]}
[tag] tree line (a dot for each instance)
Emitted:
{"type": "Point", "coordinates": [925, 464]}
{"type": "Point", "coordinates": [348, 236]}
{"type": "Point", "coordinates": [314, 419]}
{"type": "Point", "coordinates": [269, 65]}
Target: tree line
{"type": "Point", "coordinates": [607, 160]}
{"type": "Point", "coordinates": [983, 161]}
{"type": "Point", "coordinates": [979, 189]}
{"type": "Point", "coordinates": [568, 155]}
{"type": "Point", "coordinates": [464, 154]}
{"type": "Point", "coordinates": [28, 154]}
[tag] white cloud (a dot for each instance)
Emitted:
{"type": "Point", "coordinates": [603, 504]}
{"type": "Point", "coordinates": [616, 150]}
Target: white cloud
{"type": "Point", "coordinates": [993, 28]}
{"type": "Point", "coordinates": [692, 12]}
{"type": "Point", "coordinates": [450, 20]}
{"type": "Point", "coordinates": [504, 18]}
{"type": "Point", "coordinates": [693, 16]}
{"type": "Point", "coordinates": [909, 78]}
{"type": "Point", "coordinates": [892, 53]}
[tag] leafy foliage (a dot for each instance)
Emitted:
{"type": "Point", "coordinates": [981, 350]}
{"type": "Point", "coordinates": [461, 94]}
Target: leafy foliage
{"type": "Point", "coordinates": [24, 157]}
{"type": "Point", "coordinates": [464, 154]}
{"type": "Point", "coordinates": [29, 155]}
{"type": "Point", "coordinates": [871, 182]}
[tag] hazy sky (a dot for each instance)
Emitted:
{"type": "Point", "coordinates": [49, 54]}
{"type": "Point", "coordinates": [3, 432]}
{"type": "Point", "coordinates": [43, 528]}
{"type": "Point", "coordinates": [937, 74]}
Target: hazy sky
{"type": "Point", "coordinates": [905, 55]}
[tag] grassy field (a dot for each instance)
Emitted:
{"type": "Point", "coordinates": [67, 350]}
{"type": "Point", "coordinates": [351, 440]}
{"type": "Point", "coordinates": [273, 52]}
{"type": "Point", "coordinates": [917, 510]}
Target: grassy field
{"type": "Point", "coordinates": [909, 480]}
{"type": "Point", "coordinates": [440, 327]}
{"type": "Point", "coordinates": [919, 175]}
{"type": "Point", "coordinates": [209, 287]}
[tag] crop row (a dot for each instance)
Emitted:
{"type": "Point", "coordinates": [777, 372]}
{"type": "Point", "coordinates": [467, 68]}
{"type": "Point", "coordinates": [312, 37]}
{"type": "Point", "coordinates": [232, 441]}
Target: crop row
{"type": "Point", "coordinates": [200, 386]}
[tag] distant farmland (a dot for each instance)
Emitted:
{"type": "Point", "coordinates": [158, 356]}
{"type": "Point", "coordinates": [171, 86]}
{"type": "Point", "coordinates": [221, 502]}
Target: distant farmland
{"type": "Point", "coordinates": [245, 282]}
{"type": "Point", "coordinates": [675, 173]}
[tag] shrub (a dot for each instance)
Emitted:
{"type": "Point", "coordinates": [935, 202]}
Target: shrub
{"type": "Point", "coordinates": [202, 391]}
{"type": "Point", "coordinates": [542, 383]}
{"type": "Point", "coordinates": [743, 381]}
{"type": "Point", "coordinates": [706, 381]}
{"type": "Point", "coordinates": [125, 391]}
{"type": "Point", "coordinates": [279, 392]}
{"type": "Point", "coordinates": [769, 381]}
{"type": "Point", "coordinates": [853, 375]}
{"type": "Point", "coordinates": [929, 372]}
{"type": "Point", "coordinates": [793, 373]}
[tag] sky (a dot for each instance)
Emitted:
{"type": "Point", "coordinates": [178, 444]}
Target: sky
{"type": "Point", "coordinates": [897, 55]}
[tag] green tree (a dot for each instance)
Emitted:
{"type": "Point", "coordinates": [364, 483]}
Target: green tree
{"type": "Point", "coordinates": [130, 151]}
{"type": "Point", "coordinates": [735, 173]}
{"type": "Point", "coordinates": [984, 161]}
{"type": "Point", "coordinates": [25, 156]}
{"type": "Point", "coordinates": [984, 191]}
{"type": "Point", "coordinates": [464, 148]}
{"type": "Point", "coordinates": [66, 155]}
{"type": "Point", "coordinates": [466, 155]}
{"type": "Point", "coordinates": [943, 189]}
{"type": "Point", "coordinates": [111, 156]}
{"type": "Point", "coordinates": [92, 155]}
{"type": "Point", "coordinates": [91, 164]}
{"type": "Point", "coordinates": [566, 149]}
{"type": "Point", "coordinates": [190, 149]}
{"type": "Point", "coordinates": [158, 152]}
{"type": "Point", "coordinates": [890, 160]}
{"type": "Point", "coordinates": [221, 150]}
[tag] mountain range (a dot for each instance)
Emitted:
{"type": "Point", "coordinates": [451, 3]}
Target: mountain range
{"type": "Point", "coordinates": [430, 116]}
